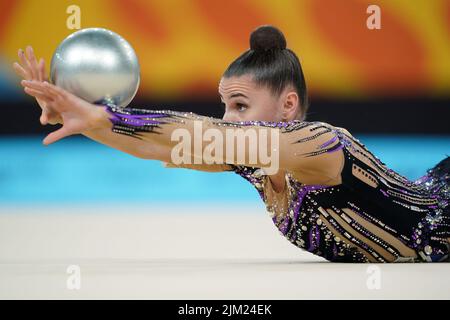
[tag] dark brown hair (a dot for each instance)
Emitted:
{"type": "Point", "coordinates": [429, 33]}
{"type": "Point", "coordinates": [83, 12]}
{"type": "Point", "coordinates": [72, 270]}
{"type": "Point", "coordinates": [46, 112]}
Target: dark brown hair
{"type": "Point", "coordinates": [271, 64]}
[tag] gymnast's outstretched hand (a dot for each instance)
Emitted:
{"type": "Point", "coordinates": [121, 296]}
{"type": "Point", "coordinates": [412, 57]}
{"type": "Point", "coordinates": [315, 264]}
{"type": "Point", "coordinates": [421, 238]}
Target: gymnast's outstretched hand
{"type": "Point", "coordinates": [30, 69]}
{"type": "Point", "coordinates": [78, 116]}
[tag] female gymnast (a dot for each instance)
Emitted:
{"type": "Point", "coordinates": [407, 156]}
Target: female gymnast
{"type": "Point", "coordinates": [331, 196]}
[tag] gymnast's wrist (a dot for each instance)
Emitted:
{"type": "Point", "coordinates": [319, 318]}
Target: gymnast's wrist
{"type": "Point", "coordinates": [100, 118]}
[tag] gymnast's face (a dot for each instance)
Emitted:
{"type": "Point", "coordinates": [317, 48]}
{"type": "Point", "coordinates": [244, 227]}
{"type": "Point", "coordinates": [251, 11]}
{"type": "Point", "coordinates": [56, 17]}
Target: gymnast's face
{"type": "Point", "coordinates": [244, 100]}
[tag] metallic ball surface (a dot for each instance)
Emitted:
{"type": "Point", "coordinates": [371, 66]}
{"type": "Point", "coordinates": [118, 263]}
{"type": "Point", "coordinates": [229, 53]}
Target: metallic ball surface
{"type": "Point", "coordinates": [98, 66]}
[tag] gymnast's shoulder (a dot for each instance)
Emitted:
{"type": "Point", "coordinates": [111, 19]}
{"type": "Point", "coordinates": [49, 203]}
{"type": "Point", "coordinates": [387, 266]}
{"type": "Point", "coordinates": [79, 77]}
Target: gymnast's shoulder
{"type": "Point", "coordinates": [312, 126]}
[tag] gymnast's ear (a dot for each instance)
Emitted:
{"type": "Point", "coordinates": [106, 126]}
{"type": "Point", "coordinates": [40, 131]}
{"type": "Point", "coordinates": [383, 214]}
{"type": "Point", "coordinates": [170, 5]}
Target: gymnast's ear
{"type": "Point", "coordinates": [291, 105]}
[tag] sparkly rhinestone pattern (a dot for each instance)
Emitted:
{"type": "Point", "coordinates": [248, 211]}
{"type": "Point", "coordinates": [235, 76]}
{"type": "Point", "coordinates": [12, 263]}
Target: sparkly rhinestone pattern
{"type": "Point", "coordinates": [374, 215]}
{"type": "Point", "coordinates": [416, 213]}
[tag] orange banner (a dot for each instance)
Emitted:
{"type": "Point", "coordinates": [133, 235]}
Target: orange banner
{"type": "Point", "coordinates": [184, 46]}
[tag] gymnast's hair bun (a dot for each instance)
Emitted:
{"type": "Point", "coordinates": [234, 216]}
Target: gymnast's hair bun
{"type": "Point", "coordinates": [267, 37]}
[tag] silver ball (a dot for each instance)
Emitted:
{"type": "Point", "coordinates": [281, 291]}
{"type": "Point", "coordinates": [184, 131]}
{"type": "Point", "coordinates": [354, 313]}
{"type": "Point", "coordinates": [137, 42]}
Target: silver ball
{"type": "Point", "coordinates": [98, 66]}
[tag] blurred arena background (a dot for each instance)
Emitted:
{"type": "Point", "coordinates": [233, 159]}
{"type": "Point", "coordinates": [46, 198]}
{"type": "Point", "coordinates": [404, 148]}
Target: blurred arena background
{"type": "Point", "coordinates": [389, 87]}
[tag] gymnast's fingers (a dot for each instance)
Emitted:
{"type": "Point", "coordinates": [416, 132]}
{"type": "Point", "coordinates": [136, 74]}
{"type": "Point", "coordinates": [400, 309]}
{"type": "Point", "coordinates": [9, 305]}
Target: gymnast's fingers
{"type": "Point", "coordinates": [55, 90]}
{"type": "Point", "coordinates": [20, 71]}
{"type": "Point", "coordinates": [42, 75]}
{"type": "Point", "coordinates": [56, 135]}
{"type": "Point", "coordinates": [24, 64]}
{"type": "Point", "coordinates": [32, 63]}
{"type": "Point", "coordinates": [38, 94]}
{"type": "Point", "coordinates": [37, 85]}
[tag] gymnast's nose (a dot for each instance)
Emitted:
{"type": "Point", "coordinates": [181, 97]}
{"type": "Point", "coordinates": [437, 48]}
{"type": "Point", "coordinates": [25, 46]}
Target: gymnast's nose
{"type": "Point", "coordinates": [230, 116]}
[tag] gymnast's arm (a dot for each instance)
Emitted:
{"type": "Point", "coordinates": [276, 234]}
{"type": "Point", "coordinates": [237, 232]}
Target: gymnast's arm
{"type": "Point", "coordinates": [304, 148]}
{"type": "Point", "coordinates": [139, 148]}
{"type": "Point", "coordinates": [307, 149]}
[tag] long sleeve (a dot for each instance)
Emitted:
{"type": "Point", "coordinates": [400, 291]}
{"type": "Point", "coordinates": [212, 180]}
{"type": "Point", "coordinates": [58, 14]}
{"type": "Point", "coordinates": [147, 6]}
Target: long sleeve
{"type": "Point", "coordinates": [298, 146]}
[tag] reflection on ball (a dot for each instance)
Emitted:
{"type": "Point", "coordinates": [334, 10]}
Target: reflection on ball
{"type": "Point", "coordinates": [97, 65]}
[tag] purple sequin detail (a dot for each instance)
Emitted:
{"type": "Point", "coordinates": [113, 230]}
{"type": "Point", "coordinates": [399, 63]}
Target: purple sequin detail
{"type": "Point", "coordinates": [335, 251]}
{"type": "Point", "coordinates": [138, 116]}
{"type": "Point", "coordinates": [267, 123]}
{"type": "Point", "coordinates": [114, 118]}
{"type": "Point", "coordinates": [335, 148]}
{"type": "Point", "coordinates": [137, 120]}
{"type": "Point", "coordinates": [326, 144]}
{"type": "Point", "coordinates": [317, 235]}
{"type": "Point", "coordinates": [312, 244]}
{"type": "Point", "coordinates": [285, 226]}
{"type": "Point", "coordinates": [301, 194]}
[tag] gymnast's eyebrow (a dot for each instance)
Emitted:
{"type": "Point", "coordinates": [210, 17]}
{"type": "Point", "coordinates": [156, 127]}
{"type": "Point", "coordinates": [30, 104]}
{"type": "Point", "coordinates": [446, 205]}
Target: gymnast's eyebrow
{"type": "Point", "coordinates": [235, 95]}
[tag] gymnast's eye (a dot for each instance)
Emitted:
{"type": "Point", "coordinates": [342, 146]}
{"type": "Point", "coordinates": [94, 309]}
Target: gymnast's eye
{"type": "Point", "coordinates": [241, 107]}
